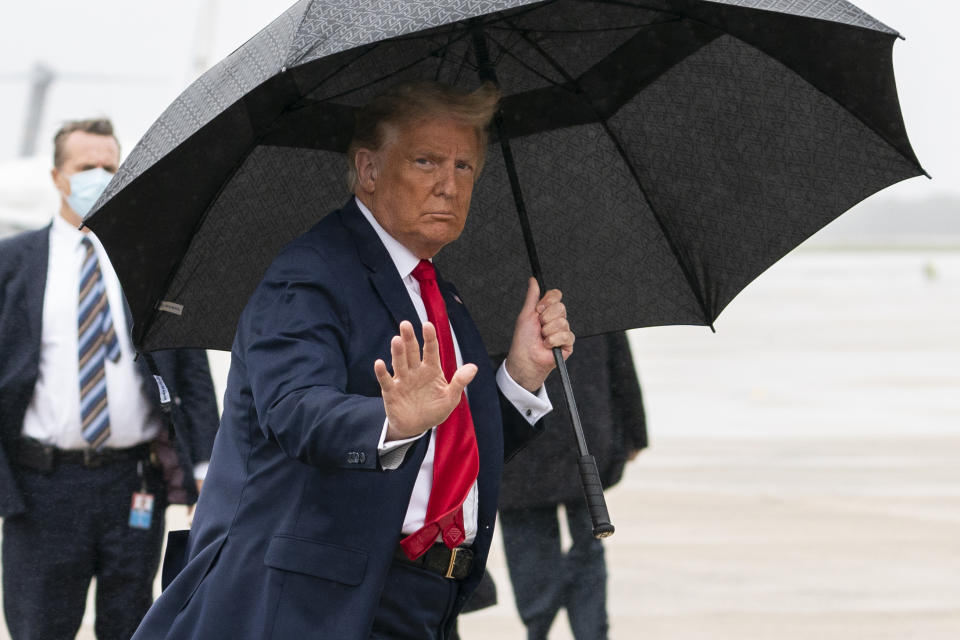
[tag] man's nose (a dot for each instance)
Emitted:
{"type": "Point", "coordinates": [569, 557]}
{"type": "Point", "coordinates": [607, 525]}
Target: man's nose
{"type": "Point", "coordinates": [446, 183]}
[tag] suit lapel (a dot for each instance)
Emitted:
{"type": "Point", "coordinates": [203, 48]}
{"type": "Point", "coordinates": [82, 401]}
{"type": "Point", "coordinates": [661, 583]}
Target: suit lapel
{"type": "Point", "coordinates": [382, 272]}
{"type": "Point", "coordinates": [471, 345]}
{"type": "Point", "coordinates": [468, 338]}
{"type": "Point", "coordinates": [36, 259]}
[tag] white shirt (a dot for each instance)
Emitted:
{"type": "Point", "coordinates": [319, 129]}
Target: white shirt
{"type": "Point", "coordinates": [53, 416]}
{"type": "Point", "coordinates": [533, 407]}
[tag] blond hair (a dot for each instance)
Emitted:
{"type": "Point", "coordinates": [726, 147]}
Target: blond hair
{"type": "Point", "coordinates": [412, 101]}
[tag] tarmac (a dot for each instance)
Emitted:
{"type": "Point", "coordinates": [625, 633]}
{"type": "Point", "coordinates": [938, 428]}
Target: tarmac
{"type": "Point", "coordinates": [782, 539]}
{"type": "Point", "coordinates": [803, 479]}
{"type": "Point", "coordinates": [777, 539]}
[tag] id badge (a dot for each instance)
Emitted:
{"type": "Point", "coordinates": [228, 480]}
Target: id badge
{"type": "Point", "coordinates": [141, 510]}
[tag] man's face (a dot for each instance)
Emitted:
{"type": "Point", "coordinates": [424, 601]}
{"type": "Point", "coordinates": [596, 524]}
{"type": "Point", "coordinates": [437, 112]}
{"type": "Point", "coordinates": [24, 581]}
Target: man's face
{"type": "Point", "coordinates": [422, 181]}
{"type": "Point", "coordinates": [83, 151]}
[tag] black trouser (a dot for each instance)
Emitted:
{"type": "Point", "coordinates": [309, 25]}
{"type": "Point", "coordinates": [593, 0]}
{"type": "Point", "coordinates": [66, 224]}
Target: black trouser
{"type": "Point", "coordinates": [76, 527]}
{"type": "Point", "coordinates": [545, 578]}
{"type": "Point", "coordinates": [415, 605]}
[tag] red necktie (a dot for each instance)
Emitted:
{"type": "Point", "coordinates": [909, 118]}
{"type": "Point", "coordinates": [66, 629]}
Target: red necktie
{"type": "Point", "coordinates": [455, 459]}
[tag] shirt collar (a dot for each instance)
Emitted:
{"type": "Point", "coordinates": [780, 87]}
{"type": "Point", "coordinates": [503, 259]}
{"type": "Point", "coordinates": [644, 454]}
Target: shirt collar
{"type": "Point", "coordinates": [66, 232]}
{"type": "Point", "coordinates": [403, 259]}
{"type": "Point", "coordinates": [63, 232]}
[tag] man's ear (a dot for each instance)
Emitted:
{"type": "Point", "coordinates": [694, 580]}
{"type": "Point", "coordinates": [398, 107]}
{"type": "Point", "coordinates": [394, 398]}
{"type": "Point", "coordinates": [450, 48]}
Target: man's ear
{"type": "Point", "coordinates": [367, 169]}
{"type": "Point", "coordinates": [60, 181]}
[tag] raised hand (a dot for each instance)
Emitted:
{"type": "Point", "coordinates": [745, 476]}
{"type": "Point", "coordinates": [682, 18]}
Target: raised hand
{"type": "Point", "coordinates": [541, 326]}
{"type": "Point", "coordinates": [417, 396]}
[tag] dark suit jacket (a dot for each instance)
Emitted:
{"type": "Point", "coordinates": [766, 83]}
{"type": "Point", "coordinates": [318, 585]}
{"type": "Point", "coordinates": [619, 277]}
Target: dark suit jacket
{"type": "Point", "coordinates": [297, 524]}
{"type": "Point", "coordinates": [611, 409]}
{"type": "Point", "coordinates": [23, 277]}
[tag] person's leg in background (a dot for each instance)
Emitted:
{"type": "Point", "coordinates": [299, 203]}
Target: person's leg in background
{"type": "Point", "coordinates": [585, 577]}
{"type": "Point", "coordinates": [127, 557]}
{"type": "Point", "coordinates": [48, 554]}
{"type": "Point", "coordinates": [531, 540]}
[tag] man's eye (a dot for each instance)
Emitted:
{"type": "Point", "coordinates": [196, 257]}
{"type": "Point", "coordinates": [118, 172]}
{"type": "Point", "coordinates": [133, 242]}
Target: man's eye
{"type": "Point", "coordinates": [423, 162]}
{"type": "Point", "coordinates": [464, 166]}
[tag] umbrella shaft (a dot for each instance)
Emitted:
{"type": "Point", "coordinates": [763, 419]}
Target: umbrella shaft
{"type": "Point", "coordinates": [589, 477]}
{"type": "Point", "coordinates": [518, 201]}
{"type": "Point", "coordinates": [488, 73]}
{"type": "Point", "coordinates": [571, 401]}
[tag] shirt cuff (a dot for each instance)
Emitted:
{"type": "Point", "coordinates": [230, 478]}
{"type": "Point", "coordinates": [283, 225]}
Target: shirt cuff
{"type": "Point", "coordinates": [531, 406]}
{"type": "Point", "coordinates": [200, 470]}
{"type": "Point", "coordinates": [391, 453]}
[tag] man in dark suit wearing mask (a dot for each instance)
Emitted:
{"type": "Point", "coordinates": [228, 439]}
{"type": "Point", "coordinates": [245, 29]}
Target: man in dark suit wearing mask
{"type": "Point", "coordinates": [87, 463]}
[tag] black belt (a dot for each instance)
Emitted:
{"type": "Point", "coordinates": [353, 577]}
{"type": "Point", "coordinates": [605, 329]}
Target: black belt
{"type": "Point", "coordinates": [453, 563]}
{"type": "Point", "coordinates": [34, 454]}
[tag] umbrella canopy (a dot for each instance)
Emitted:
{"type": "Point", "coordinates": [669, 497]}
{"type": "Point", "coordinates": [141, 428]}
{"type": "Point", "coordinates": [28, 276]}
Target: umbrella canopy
{"type": "Point", "coordinates": [669, 152]}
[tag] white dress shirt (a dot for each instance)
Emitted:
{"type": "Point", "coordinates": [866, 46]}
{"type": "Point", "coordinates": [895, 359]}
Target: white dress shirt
{"type": "Point", "coordinates": [53, 416]}
{"type": "Point", "coordinates": [532, 407]}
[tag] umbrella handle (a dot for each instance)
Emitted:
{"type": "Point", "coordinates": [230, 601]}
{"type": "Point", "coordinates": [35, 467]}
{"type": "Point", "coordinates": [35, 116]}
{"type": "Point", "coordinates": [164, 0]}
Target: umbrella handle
{"type": "Point", "coordinates": [589, 475]}
{"type": "Point", "coordinates": [593, 492]}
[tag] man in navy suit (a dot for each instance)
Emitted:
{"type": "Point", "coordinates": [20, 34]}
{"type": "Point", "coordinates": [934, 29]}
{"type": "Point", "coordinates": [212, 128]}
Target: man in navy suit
{"type": "Point", "coordinates": [83, 426]}
{"type": "Point", "coordinates": [315, 521]}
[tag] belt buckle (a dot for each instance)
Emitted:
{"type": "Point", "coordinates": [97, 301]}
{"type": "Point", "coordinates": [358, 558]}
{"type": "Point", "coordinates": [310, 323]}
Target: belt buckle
{"type": "Point", "coordinates": [90, 458]}
{"type": "Point", "coordinates": [453, 562]}
{"type": "Point", "coordinates": [49, 457]}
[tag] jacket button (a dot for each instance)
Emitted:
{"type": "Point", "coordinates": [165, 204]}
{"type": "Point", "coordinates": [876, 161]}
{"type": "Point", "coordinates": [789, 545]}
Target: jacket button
{"type": "Point", "coordinates": [356, 457]}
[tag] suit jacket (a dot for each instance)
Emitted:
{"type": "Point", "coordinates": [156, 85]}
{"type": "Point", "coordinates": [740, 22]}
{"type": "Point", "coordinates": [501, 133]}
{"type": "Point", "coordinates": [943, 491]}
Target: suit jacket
{"type": "Point", "coordinates": [298, 522]}
{"type": "Point", "coordinates": [23, 277]}
{"type": "Point", "coordinates": [611, 409]}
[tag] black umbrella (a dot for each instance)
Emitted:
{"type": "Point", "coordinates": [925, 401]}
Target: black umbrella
{"type": "Point", "coordinates": [662, 153]}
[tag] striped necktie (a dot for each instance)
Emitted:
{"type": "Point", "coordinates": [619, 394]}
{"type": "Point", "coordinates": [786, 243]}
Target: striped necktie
{"type": "Point", "coordinates": [96, 341]}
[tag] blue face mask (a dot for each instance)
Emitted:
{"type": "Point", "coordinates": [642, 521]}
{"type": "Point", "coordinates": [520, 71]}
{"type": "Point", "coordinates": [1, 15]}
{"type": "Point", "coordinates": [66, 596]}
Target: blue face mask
{"type": "Point", "coordinates": [85, 188]}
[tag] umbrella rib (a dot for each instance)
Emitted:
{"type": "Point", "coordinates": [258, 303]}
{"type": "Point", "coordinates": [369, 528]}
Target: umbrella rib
{"type": "Point", "coordinates": [506, 52]}
{"type": "Point", "coordinates": [522, 33]}
{"type": "Point", "coordinates": [464, 67]}
{"type": "Point", "coordinates": [687, 273]}
{"type": "Point", "coordinates": [603, 120]}
{"type": "Point", "coordinates": [445, 57]}
{"type": "Point", "coordinates": [516, 12]}
{"type": "Point", "coordinates": [631, 27]}
{"type": "Point", "coordinates": [387, 75]}
{"type": "Point", "coordinates": [882, 136]}
{"type": "Point", "coordinates": [364, 52]}
{"type": "Point", "coordinates": [764, 51]}
{"type": "Point", "coordinates": [852, 113]}
{"type": "Point", "coordinates": [304, 50]}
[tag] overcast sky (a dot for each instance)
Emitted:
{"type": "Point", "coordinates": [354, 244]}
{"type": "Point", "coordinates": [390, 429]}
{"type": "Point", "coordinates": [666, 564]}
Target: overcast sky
{"type": "Point", "coordinates": [128, 60]}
